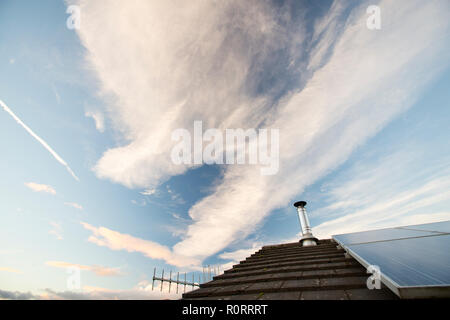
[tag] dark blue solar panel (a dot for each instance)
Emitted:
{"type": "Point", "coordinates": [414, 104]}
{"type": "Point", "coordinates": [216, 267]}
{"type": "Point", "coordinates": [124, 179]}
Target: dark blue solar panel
{"type": "Point", "coordinates": [410, 262]}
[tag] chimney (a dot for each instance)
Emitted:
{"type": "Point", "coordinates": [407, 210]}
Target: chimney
{"type": "Point", "coordinates": [307, 238]}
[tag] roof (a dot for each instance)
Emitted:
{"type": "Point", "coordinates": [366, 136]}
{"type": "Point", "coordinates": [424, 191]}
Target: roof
{"type": "Point", "coordinates": [292, 272]}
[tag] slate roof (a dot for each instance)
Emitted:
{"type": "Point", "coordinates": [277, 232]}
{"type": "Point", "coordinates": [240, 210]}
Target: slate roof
{"type": "Point", "coordinates": [291, 272]}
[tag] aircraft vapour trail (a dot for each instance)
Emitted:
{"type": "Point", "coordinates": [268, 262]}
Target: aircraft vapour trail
{"type": "Point", "coordinates": [34, 135]}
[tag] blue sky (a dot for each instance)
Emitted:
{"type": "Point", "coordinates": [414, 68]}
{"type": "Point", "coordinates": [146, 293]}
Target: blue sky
{"type": "Point", "coordinates": [363, 119]}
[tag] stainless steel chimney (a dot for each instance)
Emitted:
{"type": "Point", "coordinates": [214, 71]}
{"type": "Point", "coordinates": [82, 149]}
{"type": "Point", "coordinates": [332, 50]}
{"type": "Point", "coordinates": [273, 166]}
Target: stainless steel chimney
{"type": "Point", "coordinates": [307, 238]}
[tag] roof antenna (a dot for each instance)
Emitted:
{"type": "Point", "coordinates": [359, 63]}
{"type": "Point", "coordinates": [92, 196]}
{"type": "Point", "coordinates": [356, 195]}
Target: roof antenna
{"type": "Point", "coordinates": [307, 238]}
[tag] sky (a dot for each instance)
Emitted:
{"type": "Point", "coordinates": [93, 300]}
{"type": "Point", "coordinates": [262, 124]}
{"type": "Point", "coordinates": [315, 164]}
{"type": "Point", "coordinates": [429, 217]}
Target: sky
{"type": "Point", "coordinates": [87, 116]}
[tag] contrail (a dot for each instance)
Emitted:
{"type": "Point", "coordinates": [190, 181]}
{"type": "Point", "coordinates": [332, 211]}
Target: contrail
{"type": "Point", "coordinates": [34, 135]}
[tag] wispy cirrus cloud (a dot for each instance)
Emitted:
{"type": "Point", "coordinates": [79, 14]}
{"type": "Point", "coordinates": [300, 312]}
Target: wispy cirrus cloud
{"type": "Point", "coordinates": [39, 139]}
{"type": "Point", "coordinates": [392, 191]}
{"type": "Point", "coordinates": [218, 54]}
{"type": "Point", "coordinates": [74, 205]}
{"type": "Point", "coordinates": [10, 270]}
{"type": "Point", "coordinates": [119, 241]}
{"type": "Point", "coordinates": [198, 45]}
{"type": "Point", "coordinates": [37, 187]}
{"type": "Point", "coordinates": [239, 254]}
{"type": "Point", "coordinates": [56, 230]}
{"type": "Point", "coordinates": [98, 270]}
{"type": "Point", "coordinates": [338, 110]}
{"type": "Point", "coordinates": [148, 192]}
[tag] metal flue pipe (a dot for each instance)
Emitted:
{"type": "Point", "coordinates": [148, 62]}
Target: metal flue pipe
{"type": "Point", "coordinates": [307, 237]}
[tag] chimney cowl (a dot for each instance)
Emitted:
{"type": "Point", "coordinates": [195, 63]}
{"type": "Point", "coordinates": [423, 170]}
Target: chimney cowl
{"type": "Point", "coordinates": [300, 204]}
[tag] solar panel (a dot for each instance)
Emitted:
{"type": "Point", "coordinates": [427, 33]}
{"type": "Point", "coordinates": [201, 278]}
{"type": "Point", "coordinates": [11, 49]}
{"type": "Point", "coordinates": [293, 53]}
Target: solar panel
{"type": "Point", "coordinates": [414, 261]}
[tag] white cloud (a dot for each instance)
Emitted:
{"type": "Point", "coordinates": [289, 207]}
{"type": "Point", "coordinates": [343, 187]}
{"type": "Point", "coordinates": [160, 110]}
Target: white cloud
{"type": "Point", "coordinates": [119, 241]}
{"type": "Point", "coordinates": [175, 197]}
{"type": "Point", "coordinates": [148, 192]}
{"type": "Point", "coordinates": [41, 141]}
{"type": "Point", "coordinates": [36, 187]}
{"type": "Point", "coordinates": [98, 270]}
{"type": "Point", "coordinates": [392, 191]}
{"type": "Point", "coordinates": [174, 63]}
{"type": "Point", "coordinates": [56, 230]}
{"type": "Point", "coordinates": [238, 255]}
{"type": "Point", "coordinates": [140, 203]}
{"type": "Point", "coordinates": [10, 270]}
{"type": "Point", "coordinates": [339, 108]}
{"type": "Point", "coordinates": [74, 205]}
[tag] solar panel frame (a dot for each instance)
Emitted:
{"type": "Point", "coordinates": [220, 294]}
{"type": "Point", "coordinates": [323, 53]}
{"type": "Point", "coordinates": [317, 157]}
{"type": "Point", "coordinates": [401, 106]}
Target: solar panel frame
{"type": "Point", "coordinates": [381, 235]}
